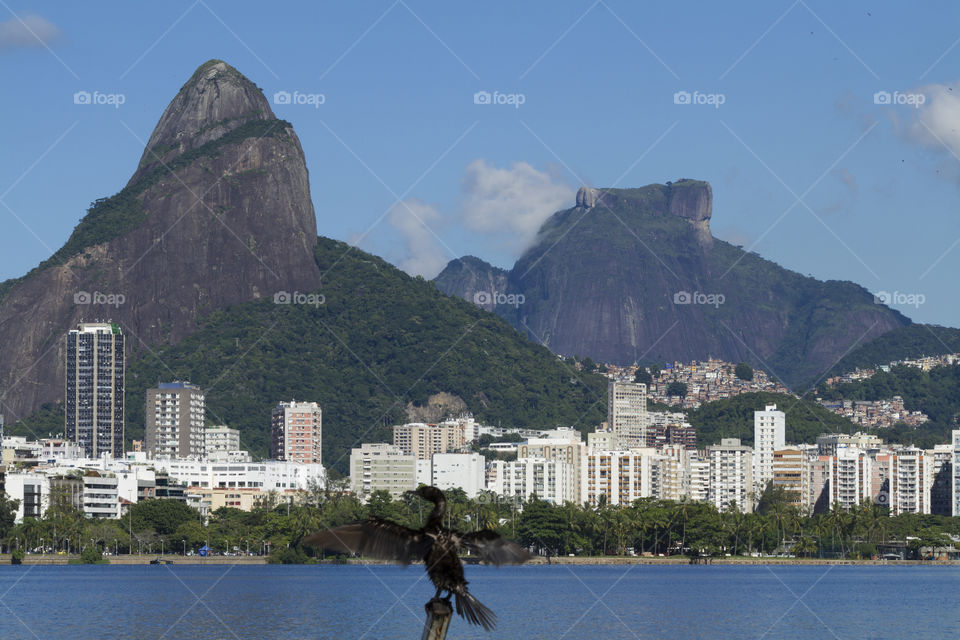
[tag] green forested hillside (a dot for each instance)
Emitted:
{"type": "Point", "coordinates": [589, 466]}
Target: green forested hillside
{"type": "Point", "coordinates": [912, 341]}
{"type": "Point", "coordinates": [380, 339]}
{"type": "Point", "coordinates": [935, 392]}
{"type": "Point", "coordinates": [733, 418]}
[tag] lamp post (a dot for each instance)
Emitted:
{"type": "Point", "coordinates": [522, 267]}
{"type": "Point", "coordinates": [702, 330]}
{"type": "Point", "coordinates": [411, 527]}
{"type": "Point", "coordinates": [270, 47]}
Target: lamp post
{"type": "Point", "coordinates": [184, 547]}
{"type": "Point", "coordinates": [161, 546]}
{"type": "Point", "coordinates": [41, 546]}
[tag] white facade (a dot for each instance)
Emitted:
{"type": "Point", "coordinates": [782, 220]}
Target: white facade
{"type": "Point", "coordinates": [956, 472]}
{"type": "Point", "coordinates": [459, 470]}
{"type": "Point", "coordinates": [851, 477]}
{"type": "Point", "coordinates": [221, 440]}
{"type": "Point", "coordinates": [549, 480]}
{"type": "Point", "coordinates": [269, 475]}
{"type": "Point", "coordinates": [617, 477]}
{"type": "Point", "coordinates": [382, 467]}
{"type": "Point", "coordinates": [731, 475]}
{"type": "Point", "coordinates": [627, 413]}
{"type": "Point", "coordinates": [768, 436]}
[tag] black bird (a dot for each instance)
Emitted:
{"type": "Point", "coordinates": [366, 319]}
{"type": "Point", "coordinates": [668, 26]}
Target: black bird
{"type": "Point", "coordinates": [436, 545]}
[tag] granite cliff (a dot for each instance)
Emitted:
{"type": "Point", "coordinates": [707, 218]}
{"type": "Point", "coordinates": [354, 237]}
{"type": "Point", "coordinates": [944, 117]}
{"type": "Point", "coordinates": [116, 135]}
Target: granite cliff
{"type": "Point", "coordinates": [635, 275]}
{"type": "Point", "coordinates": [218, 212]}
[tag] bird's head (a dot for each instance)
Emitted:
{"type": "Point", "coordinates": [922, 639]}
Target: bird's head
{"type": "Point", "coordinates": [428, 493]}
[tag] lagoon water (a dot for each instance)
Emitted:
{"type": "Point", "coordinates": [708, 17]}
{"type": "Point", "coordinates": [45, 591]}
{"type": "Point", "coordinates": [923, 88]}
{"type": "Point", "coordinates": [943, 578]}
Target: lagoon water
{"type": "Point", "coordinates": [533, 602]}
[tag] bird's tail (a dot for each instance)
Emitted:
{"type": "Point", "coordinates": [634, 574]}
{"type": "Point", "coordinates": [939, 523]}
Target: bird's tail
{"type": "Point", "coordinates": [474, 612]}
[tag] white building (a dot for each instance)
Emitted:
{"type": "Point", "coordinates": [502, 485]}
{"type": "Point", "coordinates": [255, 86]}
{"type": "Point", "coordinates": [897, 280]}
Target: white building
{"type": "Point", "coordinates": [382, 467]}
{"type": "Point", "coordinates": [627, 413]}
{"type": "Point", "coordinates": [268, 475]}
{"type": "Point", "coordinates": [549, 480]}
{"type": "Point", "coordinates": [768, 436]}
{"type": "Point", "coordinates": [221, 441]}
{"type": "Point", "coordinates": [956, 472]}
{"type": "Point", "coordinates": [423, 440]}
{"type": "Point", "coordinates": [459, 470]}
{"type": "Point", "coordinates": [731, 475]}
{"type": "Point", "coordinates": [618, 477]}
{"type": "Point", "coordinates": [851, 477]}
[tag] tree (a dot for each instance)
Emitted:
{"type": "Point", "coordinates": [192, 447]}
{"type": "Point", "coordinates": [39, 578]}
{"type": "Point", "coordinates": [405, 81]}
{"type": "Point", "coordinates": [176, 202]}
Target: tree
{"type": "Point", "coordinates": [654, 370]}
{"type": "Point", "coordinates": [744, 372]}
{"type": "Point", "coordinates": [677, 388]}
{"type": "Point", "coordinates": [642, 376]}
{"type": "Point", "coordinates": [162, 515]}
{"type": "Point", "coordinates": [8, 514]}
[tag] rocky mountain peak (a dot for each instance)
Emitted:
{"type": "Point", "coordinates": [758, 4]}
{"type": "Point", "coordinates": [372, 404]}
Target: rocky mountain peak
{"type": "Point", "coordinates": [214, 101]}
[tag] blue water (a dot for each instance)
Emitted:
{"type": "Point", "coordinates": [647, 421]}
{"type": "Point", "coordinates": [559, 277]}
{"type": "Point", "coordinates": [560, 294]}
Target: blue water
{"type": "Point", "coordinates": [535, 602]}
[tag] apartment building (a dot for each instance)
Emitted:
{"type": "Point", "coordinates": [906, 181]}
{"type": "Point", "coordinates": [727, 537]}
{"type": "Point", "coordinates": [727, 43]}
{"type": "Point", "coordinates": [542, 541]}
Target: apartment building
{"type": "Point", "coordinates": [627, 413]}
{"type": "Point", "coordinates": [768, 436]}
{"type": "Point", "coordinates": [175, 417]}
{"type": "Point", "coordinates": [382, 467]}
{"type": "Point", "coordinates": [297, 432]}
{"type": "Point", "coordinates": [731, 475]}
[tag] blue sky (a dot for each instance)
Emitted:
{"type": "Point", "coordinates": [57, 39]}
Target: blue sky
{"type": "Point", "coordinates": [807, 169]}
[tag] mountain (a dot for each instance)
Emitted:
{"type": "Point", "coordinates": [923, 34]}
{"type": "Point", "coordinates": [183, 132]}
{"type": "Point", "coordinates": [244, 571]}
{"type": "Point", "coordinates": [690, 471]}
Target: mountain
{"type": "Point", "coordinates": [218, 212]}
{"type": "Point", "coordinates": [215, 221]}
{"type": "Point", "coordinates": [635, 275]}
{"type": "Point", "coordinates": [376, 346]}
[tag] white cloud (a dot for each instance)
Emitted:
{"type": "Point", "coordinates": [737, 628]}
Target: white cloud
{"type": "Point", "coordinates": [28, 31]}
{"type": "Point", "coordinates": [937, 121]}
{"type": "Point", "coordinates": [509, 205]}
{"type": "Point", "coordinates": [416, 221]}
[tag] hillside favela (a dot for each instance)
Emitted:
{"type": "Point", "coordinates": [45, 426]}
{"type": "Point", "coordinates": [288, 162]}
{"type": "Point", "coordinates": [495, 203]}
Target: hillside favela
{"type": "Point", "coordinates": [548, 321]}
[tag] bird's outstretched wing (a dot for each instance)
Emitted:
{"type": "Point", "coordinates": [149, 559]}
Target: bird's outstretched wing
{"type": "Point", "coordinates": [376, 538]}
{"type": "Point", "coordinates": [494, 549]}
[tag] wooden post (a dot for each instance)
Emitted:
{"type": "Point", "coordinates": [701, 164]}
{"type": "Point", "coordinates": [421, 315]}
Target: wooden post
{"type": "Point", "coordinates": [439, 613]}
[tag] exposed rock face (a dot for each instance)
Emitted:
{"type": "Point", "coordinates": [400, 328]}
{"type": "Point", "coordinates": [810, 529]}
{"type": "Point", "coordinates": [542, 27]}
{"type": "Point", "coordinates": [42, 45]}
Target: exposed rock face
{"type": "Point", "coordinates": [224, 198]}
{"type": "Point", "coordinates": [638, 277]}
{"type": "Point", "coordinates": [475, 279]}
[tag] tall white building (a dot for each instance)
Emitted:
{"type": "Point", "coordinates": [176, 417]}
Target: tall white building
{"type": "Point", "coordinates": [380, 466]}
{"type": "Point", "coordinates": [627, 413]}
{"type": "Point", "coordinates": [176, 413]}
{"type": "Point", "coordinates": [550, 480]}
{"type": "Point", "coordinates": [617, 477]}
{"type": "Point", "coordinates": [851, 477]}
{"type": "Point", "coordinates": [297, 429]}
{"type": "Point", "coordinates": [956, 472]}
{"type": "Point", "coordinates": [465, 471]}
{"type": "Point", "coordinates": [768, 436]}
{"type": "Point", "coordinates": [95, 369]}
{"type": "Point", "coordinates": [731, 475]}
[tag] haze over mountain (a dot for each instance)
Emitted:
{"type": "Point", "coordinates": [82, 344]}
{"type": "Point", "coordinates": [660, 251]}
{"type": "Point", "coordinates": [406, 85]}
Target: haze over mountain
{"type": "Point", "coordinates": [630, 275]}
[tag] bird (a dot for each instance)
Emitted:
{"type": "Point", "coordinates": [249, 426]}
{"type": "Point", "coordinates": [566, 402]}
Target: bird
{"type": "Point", "coordinates": [433, 543]}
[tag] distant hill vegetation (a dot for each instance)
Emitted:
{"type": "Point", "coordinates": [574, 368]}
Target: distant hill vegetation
{"type": "Point", "coordinates": [912, 341]}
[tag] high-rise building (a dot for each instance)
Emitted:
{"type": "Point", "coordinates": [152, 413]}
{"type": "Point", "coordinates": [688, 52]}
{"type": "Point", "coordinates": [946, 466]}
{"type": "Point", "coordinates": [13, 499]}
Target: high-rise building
{"type": "Point", "coordinates": [176, 414]}
{"type": "Point", "coordinates": [956, 472]}
{"type": "Point", "coordinates": [550, 480]}
{"type": "Point", "coordinates": [627, 413]}
{"type": "Point", "coordinates": [221, 443]}
{"type": "Point", "coordinates": [851, 475]}
{"type": "Point", "coordinates": [425, 440]}
{"type": "Point", "coordinates": [789, 474]}
{"type": "Point", "coordinates": [731, 475]}
{"type": "Point", "coordinates": [768, 436]}
{"type": "Point", "coordinates": [380, 466]}
{"type": "Point", "coordinates": [297, 432]}
{"type": "Point", "coordinates": [458, 471]}
{"type": "Point", "coordinates": [95, 388]}
{"type": "Point", "coordinates": [617, 477]}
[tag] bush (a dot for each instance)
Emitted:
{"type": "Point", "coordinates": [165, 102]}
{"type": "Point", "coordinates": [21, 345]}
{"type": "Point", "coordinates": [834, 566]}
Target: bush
{"type": "Point", "coordinates": [17, 556]}
{"type": "Point", "coordinates": [294, 555]}
{"type": "Point", "coordinates": [91, 555]}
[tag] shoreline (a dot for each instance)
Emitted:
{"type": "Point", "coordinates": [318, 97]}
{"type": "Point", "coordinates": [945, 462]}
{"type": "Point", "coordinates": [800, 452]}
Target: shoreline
{"type": "Point", "coordinates": [51, 559]}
